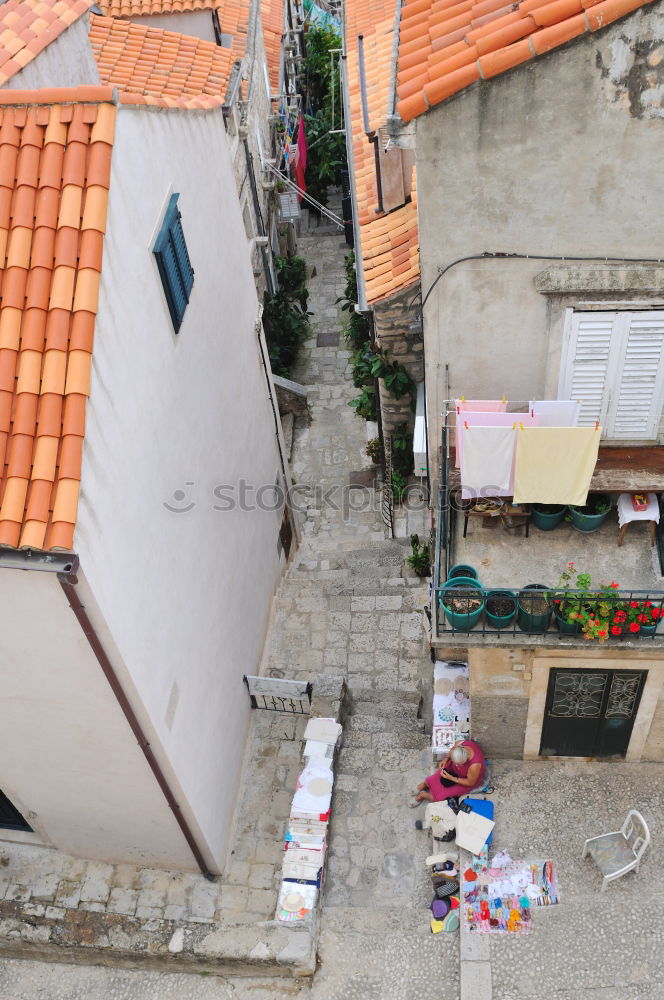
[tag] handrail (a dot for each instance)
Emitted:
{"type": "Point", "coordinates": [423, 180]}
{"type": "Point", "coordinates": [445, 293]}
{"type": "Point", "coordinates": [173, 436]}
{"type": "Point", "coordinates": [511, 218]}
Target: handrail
{"type": "Point", "coordinates": [620, 613]}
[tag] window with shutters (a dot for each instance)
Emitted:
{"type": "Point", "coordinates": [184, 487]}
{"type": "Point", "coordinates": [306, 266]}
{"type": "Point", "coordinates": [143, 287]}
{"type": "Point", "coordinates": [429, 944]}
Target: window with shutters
{"type": "Point", "coordinates": [614, 365]}
{"type": "Point", "coordinates": [175, 270]}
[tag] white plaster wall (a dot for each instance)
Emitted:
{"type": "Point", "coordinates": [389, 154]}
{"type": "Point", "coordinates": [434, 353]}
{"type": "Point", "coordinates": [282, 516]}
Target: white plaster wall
{"type": "Point", "coordinates": [553, 157]}
{"type": "Point", "coordinates": [68, 759]}
{"type": "Point", "coordinates": [193, 22]}
{"type": "Point", "coordinates": [186, 596]}
{"type": "Point", "coordinates": [66, 62]}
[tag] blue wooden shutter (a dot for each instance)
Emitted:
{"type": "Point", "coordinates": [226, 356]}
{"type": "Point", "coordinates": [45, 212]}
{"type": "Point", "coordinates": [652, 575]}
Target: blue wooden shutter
{"type": "Point", "coordinates": [175, 270]}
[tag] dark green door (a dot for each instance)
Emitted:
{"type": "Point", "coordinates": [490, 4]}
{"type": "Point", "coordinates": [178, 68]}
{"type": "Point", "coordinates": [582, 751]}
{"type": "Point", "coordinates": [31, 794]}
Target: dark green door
{"type": "Point", "coordinates": [590, 713]}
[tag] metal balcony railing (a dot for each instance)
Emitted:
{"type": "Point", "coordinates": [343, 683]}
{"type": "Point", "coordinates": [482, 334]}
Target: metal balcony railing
{"type": "Point", "coordinates": [609, 616]}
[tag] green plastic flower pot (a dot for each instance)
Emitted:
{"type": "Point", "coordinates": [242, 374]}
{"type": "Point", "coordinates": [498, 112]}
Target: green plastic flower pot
{"type": "Point", "coordinates": [547, 516]}
{"type": "Point", "coordinates": [567, 628]}
{"type": "Point", "coordinates": [467, 572]}
{"type": "Point", "coordinates": [589, 522]}
{"type": "Point", "coordinates": [647, 630]}
{"type": "Point", "coordinates": [529, 620]}
{"type": "Point", "coordinates": [462, 621]}
{"type": "Point", "coordinates": [500, 621]}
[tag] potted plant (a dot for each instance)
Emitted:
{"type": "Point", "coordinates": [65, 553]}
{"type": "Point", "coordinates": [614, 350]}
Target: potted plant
{"type": "Point", "coordinates": [649, 617]}
{"type": "Point", "coordinates": [534, 607]}
{"type": "Point", "coordinates": [420, 560]}
{"type": "Point", "coordinates": [461, 569]}
{"type": "Point", "coordinates": [374, 450]}
{"type": "Point", "coordinates": [546, 516]}
{"type": "Point", "coordinates": [462, 603]}
{"type": "Point", "coordinates": [591, 515]}
{"type": "Point", "coordinates": [500, 607]}
{"type": "Point", "coordinates": [568, 608]}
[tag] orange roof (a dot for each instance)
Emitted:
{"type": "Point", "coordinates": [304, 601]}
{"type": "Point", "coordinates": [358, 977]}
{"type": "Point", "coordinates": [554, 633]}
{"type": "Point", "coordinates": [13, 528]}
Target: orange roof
{"type": "Point", "coordinates": [272, 16]}
{"type": "Point", "coordinates": [157, 67]}
{"type": "Point", "coordinates": [55, 162]}
{"type": "Point", "coordinates": [445, 45]}
{"type": "Point", "coordinates": [28, 26]}
{"type": "Point", "coordinates": [388, 242]}
{"type": "Point", "coordinates": [233, 15]}
{"type": "Point", "coordinates": [141, 8]}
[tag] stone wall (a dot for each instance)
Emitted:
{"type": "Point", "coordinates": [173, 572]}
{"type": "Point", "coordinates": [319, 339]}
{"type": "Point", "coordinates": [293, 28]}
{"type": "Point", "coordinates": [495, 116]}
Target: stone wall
{"type": "Point", "coordinates": [393, 318]}
{"type": "Point", "coordinates": [508, 693]}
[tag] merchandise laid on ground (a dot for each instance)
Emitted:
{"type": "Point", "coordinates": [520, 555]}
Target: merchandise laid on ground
{"type": "Point", "coordinates": [305, 843]}
{"type": "Point", "coordinates": [490, 896]}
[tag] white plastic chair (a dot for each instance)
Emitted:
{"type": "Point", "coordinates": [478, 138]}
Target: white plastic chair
{"type": "Point", "coordinates": [620, 852]}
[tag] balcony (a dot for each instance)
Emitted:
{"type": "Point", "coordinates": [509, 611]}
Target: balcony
{"type": "Point", "coordinates": [505, 559]}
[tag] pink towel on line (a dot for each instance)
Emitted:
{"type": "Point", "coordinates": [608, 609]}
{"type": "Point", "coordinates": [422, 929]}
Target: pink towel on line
{"type": "Point", "coordinates": [472, 406]}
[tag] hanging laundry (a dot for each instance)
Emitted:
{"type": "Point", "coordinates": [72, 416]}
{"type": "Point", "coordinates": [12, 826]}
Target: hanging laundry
{"type": "Point", "coordinates": [488, 454]}
{"type": "Point", "coordinates": [556, 412]}
{"type": "Point", "coordinates": [555, 464]}
{"type": "Point", "coordinates": [483, 419]}
{"type": "Point", "coordinates": [471, 405]}
{"type": "Point", "coordinates": [300, 158]}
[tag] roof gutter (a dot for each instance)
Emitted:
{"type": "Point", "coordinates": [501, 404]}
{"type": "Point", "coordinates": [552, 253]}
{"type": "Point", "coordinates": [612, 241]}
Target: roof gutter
{"type": "Point", "coordinates": [371, 135]}
{"type": "Point", "coordinates": [68, 580]}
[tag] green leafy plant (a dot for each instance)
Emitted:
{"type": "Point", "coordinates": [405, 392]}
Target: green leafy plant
{"type": "Point", "coordinates": [420, 560]}
{"type": "Point", "coordinates": [361, 362]}
{"type": "Point", "coordinates": [285, 316]}
{"type": "Point", "coordinates": [365, 404]}
{"type": "Point", "coordinates": [326, 153]}
{"type": "Point", "coordinates": [394, 375]}
{"type": "Point", "coordinates": [357, 333]}
{"type": "Point", "coordinates": [399, 486]}
{"type": "Point", "coordinates": [402, 449]}
{"type": "Point", "coordinates": [374, 450]}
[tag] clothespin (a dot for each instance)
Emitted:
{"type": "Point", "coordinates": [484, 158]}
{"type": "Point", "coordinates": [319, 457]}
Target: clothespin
{"type": "Point", "coordinates": [596, 424]}
{"type": "Point", "coordinates": [532, 412]}
{"type": "Point", "coordinates": [520, 425]}
{"type": "Point", "coordinates": [458, 410]}
{"type": "Point", "coordinates": [514, 426]}
{"type": "Point", "coordinates": [463, 399]}
{"type": "Point", "coordinates": [465, 424]}
{"type": "Point", "coordinates": [504, 399]}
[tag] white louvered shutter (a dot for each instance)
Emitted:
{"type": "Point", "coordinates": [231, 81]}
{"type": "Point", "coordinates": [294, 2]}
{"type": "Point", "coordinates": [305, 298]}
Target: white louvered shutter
{"type": "Point", "coordinates": [587, 374]}
{"type": "Point", "coordinates": [636, 401]}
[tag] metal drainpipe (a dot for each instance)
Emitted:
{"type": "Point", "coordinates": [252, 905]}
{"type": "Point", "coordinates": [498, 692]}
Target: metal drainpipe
{"type": "Point", "coordinates": [361, 290]}
{"type": "Point", "coordinates": [68, 583]}
{"type": "Point", "coordinates": [259, 217]}
{"type": "Point", "coordinates": [371, 135]}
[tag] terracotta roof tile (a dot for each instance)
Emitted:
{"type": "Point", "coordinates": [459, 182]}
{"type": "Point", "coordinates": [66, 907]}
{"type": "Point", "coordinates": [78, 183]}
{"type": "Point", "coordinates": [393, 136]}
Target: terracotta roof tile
{"type": "Point", "coordinates": [169, 69]}
{"type": "Point", "coordinates": [442, 40]}
{"type": "Point", "coordinates": [272, 17]}
{"type": "Point", "coordinates": [388, 250]}
{"type": "Point", "coordinates": [50, 271]}
{"type": "Point", "coordinates": [27, 27]}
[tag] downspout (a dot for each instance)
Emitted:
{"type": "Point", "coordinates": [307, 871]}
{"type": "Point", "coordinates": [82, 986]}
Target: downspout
{"type": "Point", "coordinates": [259, 217]}
{"type": "Point", "coordinates": [68, 581]}
{"type": "Point", "coordinates": [361, 290]}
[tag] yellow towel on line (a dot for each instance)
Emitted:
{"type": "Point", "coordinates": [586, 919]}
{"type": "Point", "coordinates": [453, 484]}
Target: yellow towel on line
{"type": "Point", "coordinates": [555, 464]}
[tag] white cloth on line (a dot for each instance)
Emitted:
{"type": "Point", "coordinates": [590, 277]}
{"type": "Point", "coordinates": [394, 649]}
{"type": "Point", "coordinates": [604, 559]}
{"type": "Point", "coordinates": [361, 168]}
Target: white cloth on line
{"type": "Point", "coordinates": [488, 455]}
{"type": "Point", "coordinates": [556, 412]}
{"type": "Point", "coordinates": [626, 512]}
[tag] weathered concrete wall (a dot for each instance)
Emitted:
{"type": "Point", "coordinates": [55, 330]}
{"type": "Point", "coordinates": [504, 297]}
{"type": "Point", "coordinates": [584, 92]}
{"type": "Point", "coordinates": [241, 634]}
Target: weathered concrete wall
{"type": "Point", "coordinates": [393, 318]}
{"type": "Point", "coordinates": [508, 692]}
{"type": "Point", "coordinates": [188, 22]}
{"type": "Point", "coordinates": [560, 156]}
{"type": "Point", "coordinates": [172, 419]}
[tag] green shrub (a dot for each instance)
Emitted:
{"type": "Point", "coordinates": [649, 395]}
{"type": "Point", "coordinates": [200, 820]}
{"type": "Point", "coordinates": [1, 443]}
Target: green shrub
{"type": "Point", "coordinates": [285, 316]}
{"type": "Point", "coordinates": [420, 560]}
{"type": "Point", "coordinates": [326, 153]}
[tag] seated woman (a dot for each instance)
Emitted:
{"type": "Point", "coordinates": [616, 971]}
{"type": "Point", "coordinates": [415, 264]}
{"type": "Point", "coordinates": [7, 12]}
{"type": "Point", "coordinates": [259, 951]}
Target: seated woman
{"type": "Point", "coordinates": [461, 771]}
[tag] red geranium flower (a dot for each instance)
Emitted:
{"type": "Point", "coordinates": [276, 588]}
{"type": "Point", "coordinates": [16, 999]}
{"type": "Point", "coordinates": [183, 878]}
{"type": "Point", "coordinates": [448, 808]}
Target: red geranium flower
{"type": "Point", "coordinates": [633, 604]}
{"type": "Point", "coordinates": [616, 630]}
{"type": "Point", "coordinates": [634, 627]}
{"type": "Point", "coordinates": [620, 616]}
{"type": "Point", "coordinates": [644, 619]}
{"type": "Point", "coordinates": [602, 633]}
{"type": "Point", "coordinates": [614, 585]}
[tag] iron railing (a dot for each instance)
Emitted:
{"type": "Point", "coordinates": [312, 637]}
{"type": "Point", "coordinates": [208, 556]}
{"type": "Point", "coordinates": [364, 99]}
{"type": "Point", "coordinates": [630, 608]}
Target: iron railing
{"type": "Point", "coordinates": [621, 615]}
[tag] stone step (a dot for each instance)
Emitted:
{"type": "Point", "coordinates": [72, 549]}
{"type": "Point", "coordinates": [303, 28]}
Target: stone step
{"type": "Point", "coordinates": [385, 723]}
